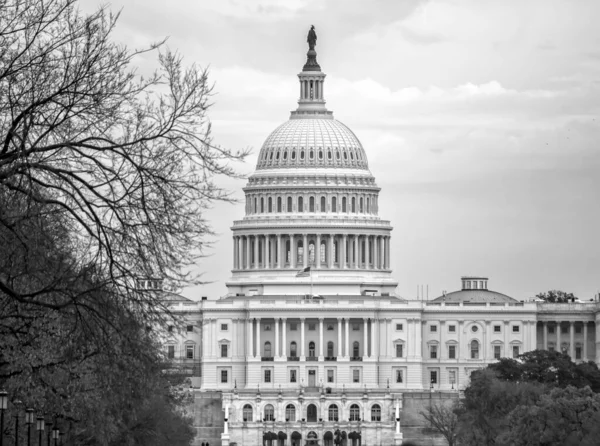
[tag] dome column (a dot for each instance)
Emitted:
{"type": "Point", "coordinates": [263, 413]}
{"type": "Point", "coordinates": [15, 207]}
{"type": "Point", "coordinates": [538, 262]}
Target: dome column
{"type": "Point", "coordinates": [292, 252]}
{"type": "Point", "coordinates": [279, 251]}
{"type": "Point", "coordinates": [248, 253]}
{"type": "Point", "coordinates": [355, 252]}
{"type": "Point", "coordinates": [255, 265]}
{"type": "Point", "coordinates": [368, 252]}
{"type": "Point", "coordinates": [375, 252]}
{"type": "Point", "coordinates": [330, 256]}
{"type": "Point", "coordinates": [305, 250]}
{"type": "Point", "coordinates": [343, 252]}
{"type": "Point", "coordinates": [318, 252]}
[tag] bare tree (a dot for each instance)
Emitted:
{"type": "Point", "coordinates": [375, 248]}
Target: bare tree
{"type": "Point", "coordinates": [128, 159]}
{"type": "Point", "coordinates": [444, 420]}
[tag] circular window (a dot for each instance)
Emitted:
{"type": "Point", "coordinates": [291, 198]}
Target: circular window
{"type": "Point", "coordinates": [474, 328]}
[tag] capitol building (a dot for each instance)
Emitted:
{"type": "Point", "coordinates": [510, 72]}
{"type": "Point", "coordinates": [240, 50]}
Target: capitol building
{"type": "Point", "coordinates": [311, 344]}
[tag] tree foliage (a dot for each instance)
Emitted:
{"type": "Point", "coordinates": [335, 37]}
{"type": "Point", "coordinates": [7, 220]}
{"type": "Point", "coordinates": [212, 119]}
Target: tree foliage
{"type": "Point", "coordinates": [104, 179]}
{"type": "Point", "coordinates": [556, 296]}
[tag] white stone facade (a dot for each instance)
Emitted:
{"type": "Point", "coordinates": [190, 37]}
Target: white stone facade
{"type": "Point", "coordinates": [339, 336]}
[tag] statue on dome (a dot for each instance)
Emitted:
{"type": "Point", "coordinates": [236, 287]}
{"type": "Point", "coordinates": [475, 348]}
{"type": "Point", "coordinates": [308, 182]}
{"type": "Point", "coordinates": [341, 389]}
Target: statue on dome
{"type": "Point", "coordinates": [312, 38]}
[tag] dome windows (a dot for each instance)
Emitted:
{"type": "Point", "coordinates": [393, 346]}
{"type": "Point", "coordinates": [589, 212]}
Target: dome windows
{"type": "Point", "coordinates": [293, 155]}
{"type": "Point", "coordinates": [345, 155]}
{"type": "Point", "coordinates": [320, 154]}
{"type": "Point", "coordinates": [329, 157]}
{"type": "Point", "coordinates": [285, 155]}
{"type": "Point", "coordinates": [337, 154]}
{"type": "Point", "coordinates": [351, 155]}
{"type": "Point", "coordinates": [277, 155]}
{"type": "Point", "coordinates": [302, 154]}
{"type": "Point", "coordinates": [311, 154]}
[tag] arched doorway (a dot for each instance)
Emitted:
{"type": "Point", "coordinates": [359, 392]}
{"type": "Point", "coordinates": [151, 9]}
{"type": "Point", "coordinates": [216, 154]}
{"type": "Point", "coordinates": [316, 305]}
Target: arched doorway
{"type": "Point", "coordinates": [296, 438]}
{"type": "Point", "coordinates": [281, 437]}
{"type": "Point", "coordinates": [312, 439]}
{"type": "Point", "coordinates": [328, 439]}
{"type": "Point", "coordinates": [311, 413]}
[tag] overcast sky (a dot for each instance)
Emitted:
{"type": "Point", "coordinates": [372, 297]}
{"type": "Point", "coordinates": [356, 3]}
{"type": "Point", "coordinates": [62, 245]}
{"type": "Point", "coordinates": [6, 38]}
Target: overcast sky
{"type": "Point", "coordinates": [480, 120]}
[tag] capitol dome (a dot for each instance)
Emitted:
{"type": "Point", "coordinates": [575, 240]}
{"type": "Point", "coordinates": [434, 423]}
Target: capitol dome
{"type": "Point", "coordinates": [311, 223]}
{"type": "Point", "coordinates": [312, 142]}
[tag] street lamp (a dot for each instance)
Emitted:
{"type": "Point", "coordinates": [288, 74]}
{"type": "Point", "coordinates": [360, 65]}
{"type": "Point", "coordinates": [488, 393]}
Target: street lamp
{"type": "Point", "coordinates": [39, 426]}
{"type": "Point", "coordinates": [3, 407]}
{"type": "Point", "coordinates": [49, 425]}
{"type": "Point", "coordinates": [29, 416]}
{"type": "Point", "coordinates": [55, 435]}
{"type": "Point", "coordinates": [17, 405]}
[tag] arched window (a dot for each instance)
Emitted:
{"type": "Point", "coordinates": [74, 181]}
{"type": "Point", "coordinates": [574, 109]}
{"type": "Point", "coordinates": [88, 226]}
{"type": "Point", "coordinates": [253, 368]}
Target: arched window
{"type": "Point", "coordinates": [353, 204]}
{"type": "Point", "coordinates": [344, 207]}
{"type": "Point", "coordinates": [311, 349]}
{"type": "Point", "coordinates": [293, 349]}
{"type": "Point", "coordinates": [270, 205]}
{"type": "Point", "coordinates": [376, 412]}
{"type": "Point", "coordinates": [288, 252]}
{"type": "Point", "coordinates": [255, 206]}
{"type": "Point", "coordinates": [311, 154]}
{"type": "Point", "coordinates": [329, 154]}
{"type": "Point", "coordinates": [269, 413]}
{"type": "Point", "coordinates": [322, 252]}
{"type": "Point", "coordinates": [300, 204]}
{"type": "Point", "coordinates": [323, 205]}
{"type": "Point", "coordinates": [360, 205]}
{"type": "Point", "coordinates": [289, 204]}
{"type": "Point", "coordinates": [247, 413]}
{"type": "Point", "coordinates": [320, 154]}
{"type": "Point", "coordinates": [474, 349]}
{"type": "Point", "coordinates": [333, 413]}
{"type": "Point", "coordinates": [267, 349]}
{"type": "Point", "coordinates": [368, 205]}
{"type": "Point", "coordinates": [293, 154]}
{"type": "Point", "coordinates": [345, 155]}
{"type": "Point", "coordinates": [290, 413]}
{"type": "Point", "coordinates": [302, 154]}
{"type": "Point", "coordinates": [337, 154]}
{"type": "Point", "coordinates": [311, 253]}
{"type": "Point", "coordinates": [262, 205]}
{"type": "Point", "coordinates": [355, 349]}
{"type": "Point", "coordinates": [354, 413]}
{"type": "Point", "coordinates": [333, 204]}
{"type": "Point", "coordinates": [284, 155]}
{"type": "Point", "coordinates": [278, 204]}
{"type": "Point", "coordinates": [311, 204]}
{"type": "Point", "coordinates": [277, 156]}
{"type": "Point", "coordinates": [330, 349]}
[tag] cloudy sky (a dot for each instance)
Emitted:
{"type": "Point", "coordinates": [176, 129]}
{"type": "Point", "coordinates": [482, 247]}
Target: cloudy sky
{"type": "Point", "coordinates": [481, 121]}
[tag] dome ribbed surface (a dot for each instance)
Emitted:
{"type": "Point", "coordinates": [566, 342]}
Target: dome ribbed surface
{"type": "Point", "coordinates": [475, 296]}
{"type": "Point", "coordinates": [312, 143]}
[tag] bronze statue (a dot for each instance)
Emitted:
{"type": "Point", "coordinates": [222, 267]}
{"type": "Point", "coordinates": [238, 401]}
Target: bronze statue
{"type": "Point", "coordinates": [312, 38]}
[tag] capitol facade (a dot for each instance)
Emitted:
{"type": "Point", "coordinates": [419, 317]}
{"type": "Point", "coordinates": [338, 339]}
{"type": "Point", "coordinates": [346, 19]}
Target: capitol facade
{"type": "Point", "coordinates": [311, 344]}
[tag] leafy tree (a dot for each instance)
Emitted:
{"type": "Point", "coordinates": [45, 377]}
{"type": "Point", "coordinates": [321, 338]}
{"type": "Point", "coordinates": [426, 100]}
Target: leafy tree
{"type": "Point", "coordinates": [483, 414]}
{"type": "Point", "coordinates": [548, 367]}
{"type": "Point", "coordinates": [444, 420]}
{"type": "Point", "coordinates": [556, 296]}
{"type": "Point", "coordinates": [569, 417]}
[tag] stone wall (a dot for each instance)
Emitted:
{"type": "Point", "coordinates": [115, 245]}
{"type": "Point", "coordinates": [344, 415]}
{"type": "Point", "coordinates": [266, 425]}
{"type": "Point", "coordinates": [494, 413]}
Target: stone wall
{"type": "Point", "coordinates": [207, 411]}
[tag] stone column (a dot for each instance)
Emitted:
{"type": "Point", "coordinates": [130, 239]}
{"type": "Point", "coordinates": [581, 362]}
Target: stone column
{"type": "Point", "coordinates": [545, 334]}
{"type": "Point", "coordinates": [366, 337]}
{"type": "Point", "coordinates": [265, 252]}
{"type": "Point", "coordinates": [241, 252]}
{"type": "Point", "coordinates": [330, 252]}
{"type": "Point", "coordinates": [276, 337]}
{"type": "Point", "coordinates": [235, 259]}
{"type": "Point", "coordinates": [368, 256]}
{"type": "Point", "coordinates": [293, 254]}
{"type": "Point", "coordinates": [346, 341]}
{"type": "Point", "coordinates": [388, 261]}
{"type": "Point", "coordinates": [305, 250]}
{"type": "Point", "coordinates": [250, 323]}
{"type": "Point", "coordinates": [302, 338]}
{"type": "Point", "coordinates": [558, 336]}
{"type": "Point", "coordinates": [355, 253]}
{"type": "Point", "coordinates": [255, 266]}
{"type": "Point", "coordinates": [339, 333]}
{"type": "Point", "coordinates": [506, 339]}
{"type": "Point", "coordinates": [585, 342]}
{"type": "Point", "coordinates": [532, 335]}
{"type": "Point", "coordinates": [374, 337]}
{"type": "Point", "coordinates": [343, 252]}
{"type": "Point", "coordinates": [460, 353]}
{"type": "Point", "coordinates": [321, 337]}
{"type": "Point", "coordinates": [375, 252]}
{"type": "Point", "coordinates": [283, 337]}
{"type": "Point", "coordinates": [318, 252]}
{"type": "Point", "coordinates": [258, 345]}
{"type": "Point", "coordinates": [279, 253]}
{"type": "Point", "coordinates": [248, 253]}
{"type": "Point", "coordinates": [572, 340]}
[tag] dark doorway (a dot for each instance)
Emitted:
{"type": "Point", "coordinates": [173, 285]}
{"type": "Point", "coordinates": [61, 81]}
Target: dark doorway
{"type": "Point", "coordinates": [311, 413]}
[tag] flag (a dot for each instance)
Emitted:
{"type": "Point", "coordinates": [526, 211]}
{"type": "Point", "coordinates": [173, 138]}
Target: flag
{"type": "Point", "coordinates": [304, 272]}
